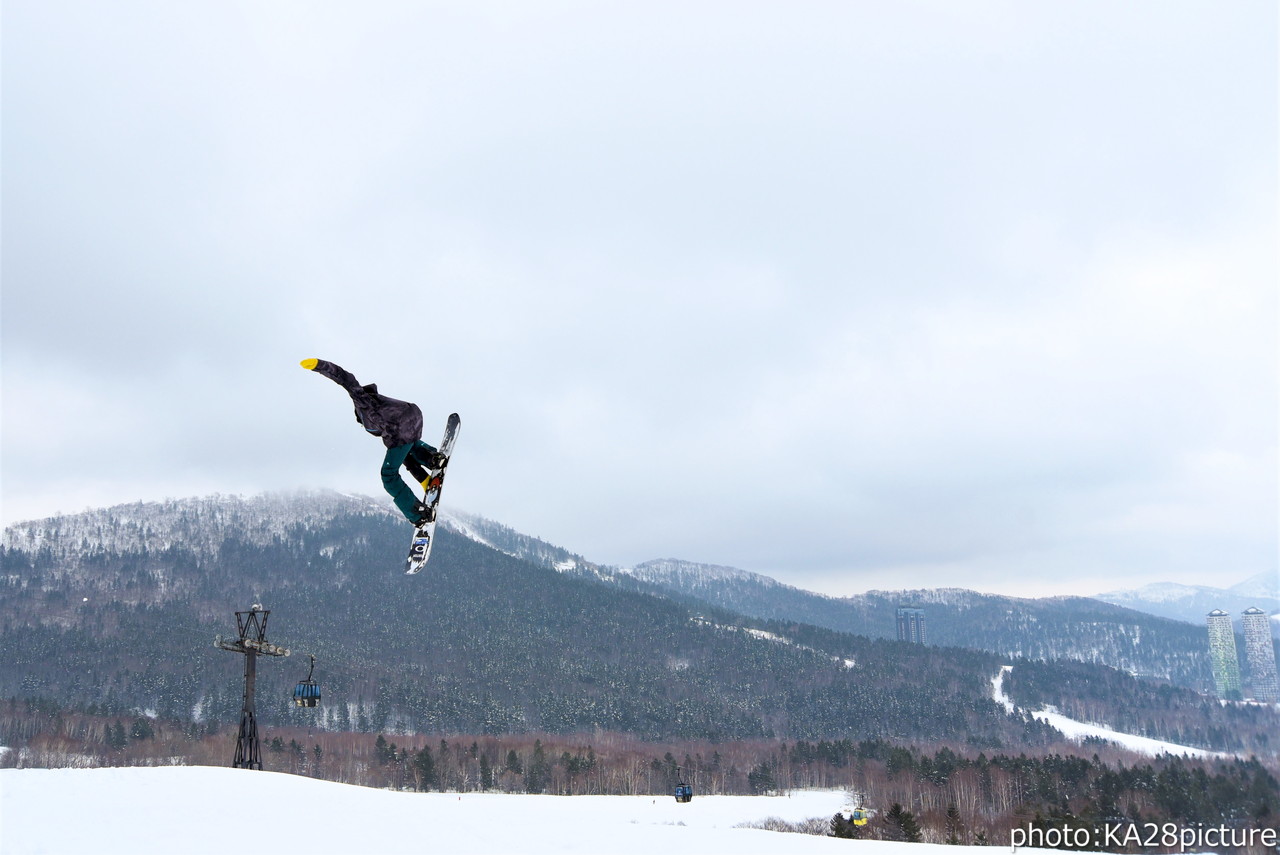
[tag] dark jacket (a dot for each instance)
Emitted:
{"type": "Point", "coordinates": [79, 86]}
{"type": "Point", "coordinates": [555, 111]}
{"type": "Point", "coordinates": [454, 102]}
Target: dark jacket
{"type": "Point", "coordinates": [397, 422]}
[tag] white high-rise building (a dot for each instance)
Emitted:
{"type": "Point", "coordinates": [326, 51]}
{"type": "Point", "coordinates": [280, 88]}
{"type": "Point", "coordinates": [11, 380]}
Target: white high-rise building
{"type": "Point", "coordinates": [1261, 654]}
{"type": "Point", "coordinates": [1222, 654]}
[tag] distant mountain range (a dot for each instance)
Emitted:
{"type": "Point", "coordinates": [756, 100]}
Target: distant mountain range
{"type": "Point", "coordinates": [1144, 632]}
{"type": "Point", "coordinates": [507, 633]}
{"type": "Point", "coordinates": [1075, 628]}
{"type": "Point", "coordinates": [1192, 603]}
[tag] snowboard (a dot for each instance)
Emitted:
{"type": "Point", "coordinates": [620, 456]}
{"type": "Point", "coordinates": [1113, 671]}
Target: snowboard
{"type": "Point", "coordinates": [424, 536]}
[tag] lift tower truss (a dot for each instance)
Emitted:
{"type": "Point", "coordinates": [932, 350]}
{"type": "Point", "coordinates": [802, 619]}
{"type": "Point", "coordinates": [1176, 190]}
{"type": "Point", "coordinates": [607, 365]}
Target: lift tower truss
{"type": "Point", "coordinates": [251, 643]}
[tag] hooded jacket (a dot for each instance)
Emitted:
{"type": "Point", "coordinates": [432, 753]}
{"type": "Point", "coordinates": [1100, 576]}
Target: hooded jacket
{"type": "Point", "coordinates": [396, 422]}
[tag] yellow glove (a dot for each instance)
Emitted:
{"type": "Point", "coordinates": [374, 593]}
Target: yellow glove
{"type": "Point", "coordinates": [310, 364]}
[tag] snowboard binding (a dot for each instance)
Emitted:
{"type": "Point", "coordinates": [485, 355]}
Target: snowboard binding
{"type": "Point", "coordinates": [426, 513]}
{"type": "Point", "coordinates": [418, 552]}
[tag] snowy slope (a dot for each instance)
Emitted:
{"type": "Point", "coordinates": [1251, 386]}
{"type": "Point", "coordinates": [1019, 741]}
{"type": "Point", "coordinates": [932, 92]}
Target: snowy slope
{"type": "Point", "coordinates": [1078, 730]}
{"type": "Point", "coordinates": [497, 536]}
{"type": "Point", "coordinates": [196, 810]}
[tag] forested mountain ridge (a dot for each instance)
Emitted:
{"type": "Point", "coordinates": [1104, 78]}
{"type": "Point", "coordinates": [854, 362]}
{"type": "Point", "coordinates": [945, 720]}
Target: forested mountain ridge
{"type": "Point", "coordinates": [1073, 628]}
{"type": "Point", "coordinates": [118, 608]}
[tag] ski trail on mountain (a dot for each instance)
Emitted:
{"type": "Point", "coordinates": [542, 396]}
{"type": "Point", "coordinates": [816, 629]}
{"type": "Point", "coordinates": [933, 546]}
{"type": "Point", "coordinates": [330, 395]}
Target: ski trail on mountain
{"type": "Point", "coordinates": [1078, 730]}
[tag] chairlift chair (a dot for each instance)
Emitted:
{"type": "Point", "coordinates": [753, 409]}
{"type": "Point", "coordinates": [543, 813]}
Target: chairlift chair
{"type": "Point", "coordinates": [307, 692]}
{"type": "Point", "coordinates": [858, 813]}
{"type": "Point", "coordinates": [684, 792]}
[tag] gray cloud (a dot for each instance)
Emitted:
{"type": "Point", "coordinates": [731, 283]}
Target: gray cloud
{"type": "Point", "coordinates": [855, 295]}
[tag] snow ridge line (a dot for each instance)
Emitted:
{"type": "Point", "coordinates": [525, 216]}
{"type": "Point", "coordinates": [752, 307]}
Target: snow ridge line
{"type": "Point", "coordinates": [764, 635]}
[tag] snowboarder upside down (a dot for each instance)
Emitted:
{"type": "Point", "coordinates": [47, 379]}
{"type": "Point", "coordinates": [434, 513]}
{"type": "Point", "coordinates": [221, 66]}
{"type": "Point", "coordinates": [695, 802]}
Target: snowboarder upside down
{"type": "Point", "coordinates": [399, 424]}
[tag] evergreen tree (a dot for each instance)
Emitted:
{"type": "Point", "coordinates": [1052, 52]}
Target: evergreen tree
{"type": "Point", "coordinates": [424, 769]}
{"type": "Point", "coordinates": [761, 779]}
{"type": "Point", "coordinates": [382, 751]}
{"type": "Point", "coordinates": [843, 828]}
{"type": "Point", "coordinates": [539, 770]}
{"type": "Point", "coordinates": [901, 824]}
{"type": "Point", "coordinates": [486, 773]}
{"type": "Point", "coordinates": [910, 828]}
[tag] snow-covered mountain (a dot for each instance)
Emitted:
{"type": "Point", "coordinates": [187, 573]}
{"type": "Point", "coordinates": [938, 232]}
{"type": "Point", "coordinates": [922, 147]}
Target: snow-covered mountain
{"type": "Point", "coordinates": [1191, 603]}
{"type": "Point", "coordinates": [1122, 634]}
{"type": "Point", "coordinates": [651, 655]}
{"type": "Point", "coordinates": [484, 641]}
{"type": "Point", "coordinates": [197, 523]}
{"type": "Point", "coordinates": [725, 587]}
{"type": "Point", "coordinates": [747, 593]}
{"type": "Point", "coordinates": [673, 571]}
{"type": "Point", "coordinates": [1266, 584]}
{"type": "Point", "coordinates": [192, 523]}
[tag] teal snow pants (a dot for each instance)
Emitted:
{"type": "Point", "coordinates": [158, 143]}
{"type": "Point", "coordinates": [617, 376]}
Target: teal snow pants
{"type": "Point", "coordinates": [416, 452]}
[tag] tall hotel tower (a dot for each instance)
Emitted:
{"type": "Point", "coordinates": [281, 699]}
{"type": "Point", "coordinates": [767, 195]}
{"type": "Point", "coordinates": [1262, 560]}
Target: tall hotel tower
{"type": "Point", "coordinates": [1222, 654]}
{"type": "Point", "coordinates": [1261, 655]}
{"type": "Point", "coordinates": [911, 624]}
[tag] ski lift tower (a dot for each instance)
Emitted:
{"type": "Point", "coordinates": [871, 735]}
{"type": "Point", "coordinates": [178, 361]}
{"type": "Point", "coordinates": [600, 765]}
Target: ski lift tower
{"type": "Point", "coordinates": [252, 642]}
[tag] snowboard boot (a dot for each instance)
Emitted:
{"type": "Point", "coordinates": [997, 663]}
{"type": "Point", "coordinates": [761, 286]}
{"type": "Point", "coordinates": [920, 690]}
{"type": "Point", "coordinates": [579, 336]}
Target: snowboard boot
{"type": "Point", "coordinates": [425, 514]}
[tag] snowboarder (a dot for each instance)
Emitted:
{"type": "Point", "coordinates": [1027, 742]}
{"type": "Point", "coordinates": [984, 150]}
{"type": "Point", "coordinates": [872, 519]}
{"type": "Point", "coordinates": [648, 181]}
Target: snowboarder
{"type": "Point", "coordinates": [399, 424]}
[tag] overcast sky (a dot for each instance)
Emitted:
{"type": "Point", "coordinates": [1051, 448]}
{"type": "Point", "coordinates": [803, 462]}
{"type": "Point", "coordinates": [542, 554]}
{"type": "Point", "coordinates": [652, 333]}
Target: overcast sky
{"type": "Point", "coordinates": [854, 294]}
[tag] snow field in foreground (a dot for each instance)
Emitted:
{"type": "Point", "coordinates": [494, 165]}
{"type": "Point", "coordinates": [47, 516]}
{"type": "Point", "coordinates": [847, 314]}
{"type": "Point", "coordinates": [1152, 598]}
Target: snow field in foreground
{"type": "Point", "coordinates": [195, 810]}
